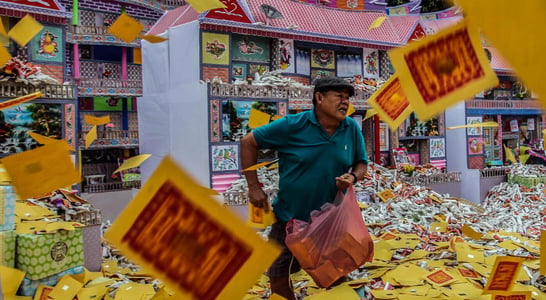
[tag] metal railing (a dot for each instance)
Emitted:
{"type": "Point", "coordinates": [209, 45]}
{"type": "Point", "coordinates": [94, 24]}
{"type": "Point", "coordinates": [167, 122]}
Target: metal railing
{"type": "Point", "coordinates": [300, 96]}
{"type": "Point", "coordinates": [433, 179]}
{"type": "Point", "coordinates": [50, 91]}
{"type": "Point", "coordinates": [159, 5]}
{"type": "Point", "coordinates": [494, 172]}
{"type": "Point", "coordinates": [113, 134]}
{"type": "Point", "coordinates": [111, 186]}
{"type": "Point", "coordinates": [100, 31]}
{"type": "Point", "coordinates": [107, 83]}
{"type": "Point", "coordinates": [503, 104]}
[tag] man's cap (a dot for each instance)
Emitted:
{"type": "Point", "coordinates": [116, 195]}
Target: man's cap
{"type": "Point", "coordinates": [331, 83]}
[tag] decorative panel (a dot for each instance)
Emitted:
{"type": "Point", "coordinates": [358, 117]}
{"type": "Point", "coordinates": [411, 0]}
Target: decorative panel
{"type": "Point", "coordinates": [87, 18]}
{"type": "Point", "coordinates": [69, 124]}
{"type": "Point", "coordinates": [215, 121]}
{"type": "Point", "coordinates": [133, 120]}
{"type": "Point", "coordinates": [475, 162]}
{"type": "Point", "coordinates": [134, 72]}
{"type": "Point", "coordinates": [385, 67]}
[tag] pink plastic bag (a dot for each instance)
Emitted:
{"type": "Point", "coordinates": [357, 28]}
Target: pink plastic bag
{"type": "Point", "coordinates": [334, 243]}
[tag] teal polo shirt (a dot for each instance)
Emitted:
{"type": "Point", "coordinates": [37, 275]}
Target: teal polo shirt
{"type": "Point", "coordinates": [309, 161]}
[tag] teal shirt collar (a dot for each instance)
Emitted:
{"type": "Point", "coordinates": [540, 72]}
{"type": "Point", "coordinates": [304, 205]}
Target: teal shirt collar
{"type": "Point", "coordinates": [313, 118]}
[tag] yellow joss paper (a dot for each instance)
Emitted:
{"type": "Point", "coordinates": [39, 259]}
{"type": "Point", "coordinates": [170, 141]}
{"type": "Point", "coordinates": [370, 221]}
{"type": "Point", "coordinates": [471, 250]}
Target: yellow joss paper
{"type": "Point", "coordinates": [509, 154]}
{"type": "Point", "coordinates": [92, 293]}
{"type": "Point", "coordinates": [126, 28]}
{"type": "Point", "coordinates": [386, 195]}
{"type": "Point", "coordinates": [351, 110]}
{"type": "Point", "coordinates": [471, 233]}
{"type": "Point", "coordinates": [377, 22]}
{"type": "Point", "coordinates": [4, 55]}
{"type": "Point", "coordinates": [25, 30]}
{"type": "Point", "coordinates": [131, 290]}
{"type": "Point", "coordinates": [370, 113]}
{"type": "Point", "coordinates": [154, 39]}
{"type": "Point", "coordinates": [11, 279]}
{"type": "Point", "coordinates": [409, 274]}
{"type": "Point", "coordinates": [438, 227]}
{"type": "Point", "coordinates": [258, 118]}
{"type": "Point", "coordinates": [276, 117]}
{"type": "Point", "coordinates": [382, 251]}
{"type": "Point", "coordinates": [91, 136]}
{"type": "Point", "coordinates": [390, 103]}
{"type": "Point", "coordinates": [519, 295]}
{"type": "Point", "coordinates": [503, 275]}
{"type": "Point", "coordinates": [66, 288]}
{"type": "Point", "coordinates": [258, 218]}
{"type": "Point", "coordinates": [466, 254]}
{"type": "Point", "coordinates": [3, 31]}
{"type": "Point", "coordinates": [542, 269]}
{"type": "Point", "coordinates": [92, 120]}
{"type": "Point", "coordinates": [42, 292]}
{"type": "Point", "coordinates": [502, 25]}
{"type": "Point", "coordinates": [385, 294]}
{"type": "Point", "coordinates": [342, 291]}
{"type": "Point", "coordinates": [439, 277]}
{"type": "Point", "coordinates": [420, 290]}
{"type": "Point", "coordinates": [133, 162]}
{"type": "Point", "coordinates": [44, 140]}
{"type": "Point", "coordinates": [174, 229]}
{"type": "Point", "coordinates": [41, 170]}
{"type": "Point", "coordinates": [204, 5]}
{"type": "Point", "coordinates": [86, 276]}
{"type": "Point", "coordinates": [442, 69]}
{"type": "Point", "coordinates": [20, 100]}
{"type": "Point", "coordinates": [475, 125]}
{"type": "Point", "coordinates": [259, 165]}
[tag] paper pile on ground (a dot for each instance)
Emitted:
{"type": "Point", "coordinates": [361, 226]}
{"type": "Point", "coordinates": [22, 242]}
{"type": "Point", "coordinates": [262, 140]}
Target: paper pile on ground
{"type": "Point", "coordinates": [432, 246]}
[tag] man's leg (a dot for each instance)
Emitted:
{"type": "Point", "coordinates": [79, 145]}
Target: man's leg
{"type": "Point", "coordinates": [283, 266]}
{"type": "Point", "coordinates": [282, 287]}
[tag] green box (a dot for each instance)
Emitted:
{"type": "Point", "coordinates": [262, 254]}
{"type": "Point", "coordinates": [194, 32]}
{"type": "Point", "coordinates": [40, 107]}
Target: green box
{"type": "Point", "coordinates": [7, 248]}
{"type": "Point", "coordinates": [42, 255]}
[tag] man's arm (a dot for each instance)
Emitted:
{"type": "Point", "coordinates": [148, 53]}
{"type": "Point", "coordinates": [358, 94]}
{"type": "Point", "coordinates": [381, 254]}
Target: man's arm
{"type": "Point", "coordinates": [359, 170]}
{"type": "Point", "coordinates": [249, 157]}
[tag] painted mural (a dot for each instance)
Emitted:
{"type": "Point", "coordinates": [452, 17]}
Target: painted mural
{"type": "Point", "coordinates": [286, 55]}
{"type": "Point", "coordinates": [17, 121]}
{"type": "Point", "coordinates": [250, 48]}
{"type": "Point", "coordinates": [235, 116]}
{"type": "Point", "coordinates": [215, 48]}
{"type": "Point", "coordinates": [48, 45]}
{"type": "Point", "coordinates": [321, 58]}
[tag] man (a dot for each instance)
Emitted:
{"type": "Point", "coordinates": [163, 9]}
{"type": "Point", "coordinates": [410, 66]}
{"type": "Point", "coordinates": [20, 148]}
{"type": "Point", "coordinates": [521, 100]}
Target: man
{"type": "Point", "coordinates": [320, 152]}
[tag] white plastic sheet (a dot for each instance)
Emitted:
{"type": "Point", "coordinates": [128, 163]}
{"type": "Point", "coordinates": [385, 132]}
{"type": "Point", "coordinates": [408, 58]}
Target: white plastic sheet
{"type": "Point", "coordinates": [173, 114]}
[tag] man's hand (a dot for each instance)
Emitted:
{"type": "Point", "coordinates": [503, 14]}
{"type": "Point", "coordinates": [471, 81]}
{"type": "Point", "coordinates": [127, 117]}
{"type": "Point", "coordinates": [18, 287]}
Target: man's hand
{"type": "Point", "coordinates": [258, 198]}
{"type": "Point", "coordinates": [344, 181]}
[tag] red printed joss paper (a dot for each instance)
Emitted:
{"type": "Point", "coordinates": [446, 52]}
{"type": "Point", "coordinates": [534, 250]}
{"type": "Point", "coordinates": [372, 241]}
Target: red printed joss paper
{"type": "Point", "coordinates": [391, 103]}
{"type": "Point", "coordinates": [443, 69]}
{"type": "Point", "coordinates": [177, 231]}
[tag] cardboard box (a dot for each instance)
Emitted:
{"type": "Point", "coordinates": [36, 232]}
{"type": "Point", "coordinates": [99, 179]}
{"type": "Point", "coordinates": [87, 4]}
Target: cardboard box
{"type": "Point", "coordinates": [28, 287]}
{"type": "Point", "coordinates": [42, 255]}
{"type": "Point", "coordinates": [7, 248]}
{"type": "Point", "coordinates": [92, 246]}
{"type": "Point", "coordinates": [7, 208]}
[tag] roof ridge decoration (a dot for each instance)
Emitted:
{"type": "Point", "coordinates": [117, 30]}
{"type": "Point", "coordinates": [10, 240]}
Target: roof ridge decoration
{"type": "Point", "coordinates": [350, 5]}
{"type": "Point", "coordinates": [44, 7]}
{"type": "Point", "coordinates": [413, 7]}
{"type": "Point", "coordinates": [442, 14]}
{"type": "Point", "coordinates": [235, 10]}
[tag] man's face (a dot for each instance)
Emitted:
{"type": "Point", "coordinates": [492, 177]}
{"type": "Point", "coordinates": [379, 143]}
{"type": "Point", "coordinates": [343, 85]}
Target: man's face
{"type": "Point", "coordinates": [333, 104]}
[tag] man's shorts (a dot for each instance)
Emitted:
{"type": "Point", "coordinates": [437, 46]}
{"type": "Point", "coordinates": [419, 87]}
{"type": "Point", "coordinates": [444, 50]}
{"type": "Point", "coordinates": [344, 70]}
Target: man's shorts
{"type": "Point", "coordinates": [280, 266]}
